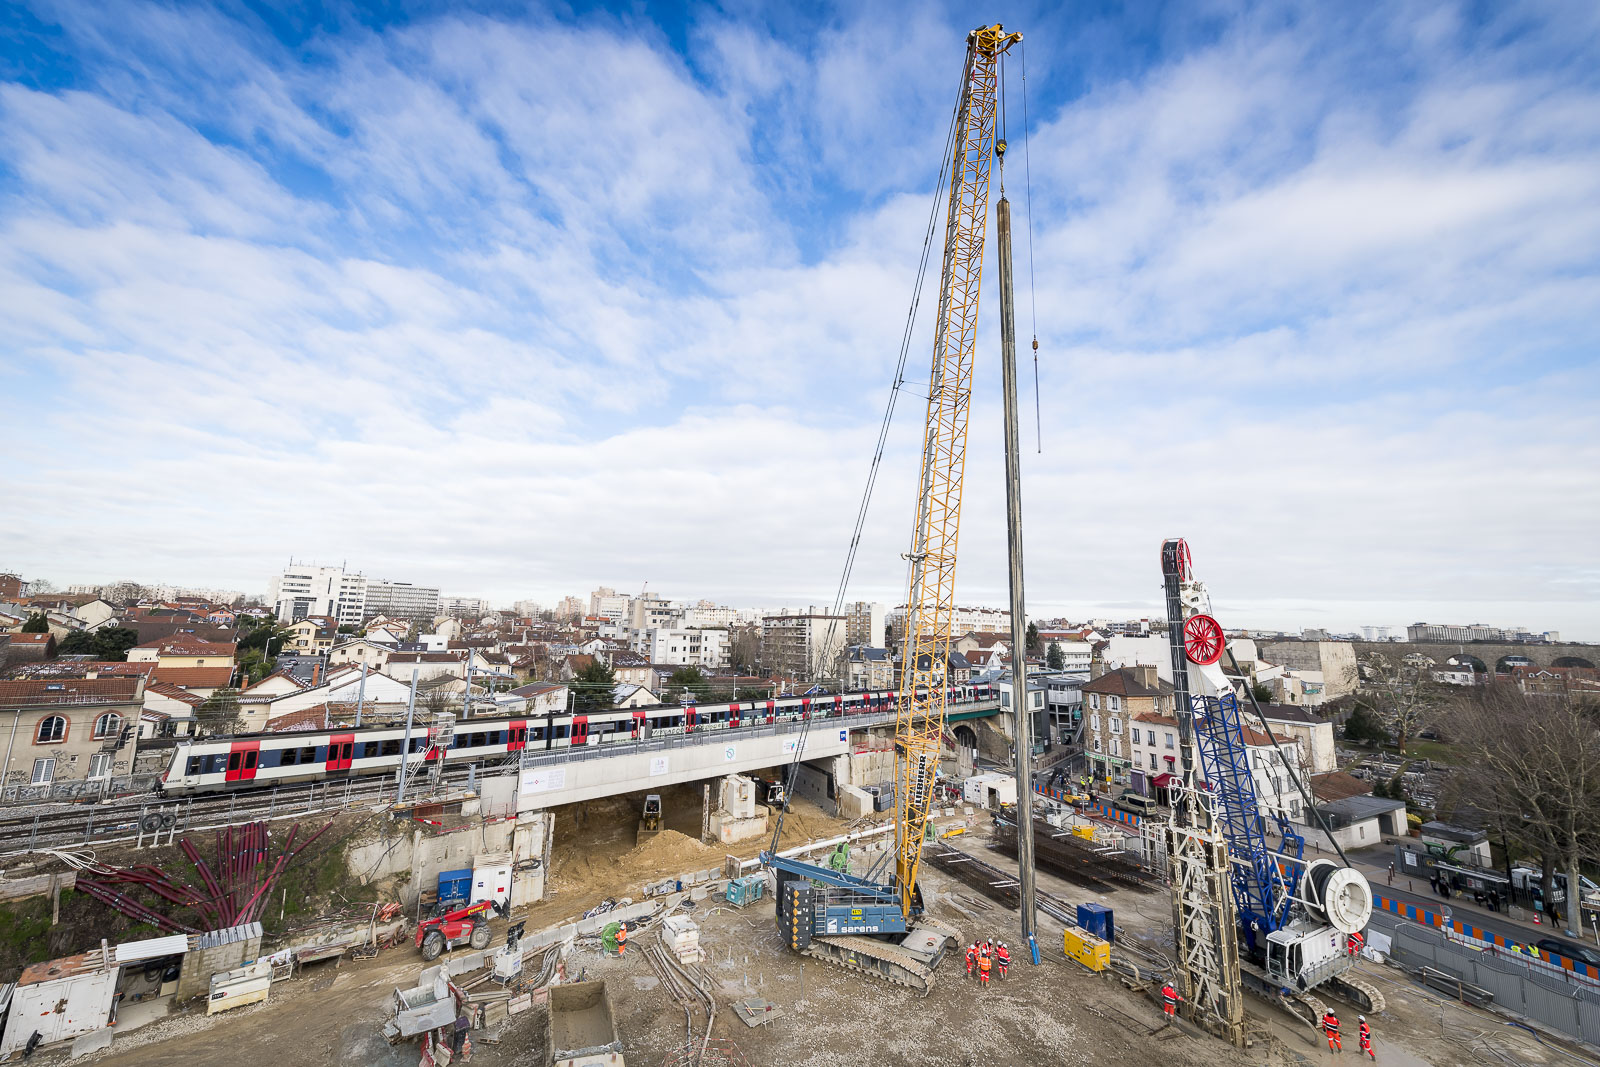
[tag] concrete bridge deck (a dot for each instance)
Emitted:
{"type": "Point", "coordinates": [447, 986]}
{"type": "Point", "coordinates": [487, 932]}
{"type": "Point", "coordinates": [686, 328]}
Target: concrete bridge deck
{"type": "Point", "coordinates": [567, 776]}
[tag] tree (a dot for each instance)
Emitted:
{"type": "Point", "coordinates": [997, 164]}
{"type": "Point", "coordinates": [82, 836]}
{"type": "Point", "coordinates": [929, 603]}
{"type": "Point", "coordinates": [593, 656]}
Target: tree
{"type": "Point", "coordinates": [592, 687]}
{"type": "Point", "coordinates": [1532, 764]}
{"type": "Point", "coordinates": [36, 624]}
{"type": "Point", "coordinates": [41, 586]}
{"type": "Point", "coordinates": [106, 643]}
{"type": "Point", "coordinates": [1054, 658]}
{"type": "Point", "coordinates": [1261, 692]}
{"type": "Point", "coordinates": [219, 714]}
{"type": "Point", "coordinates": [346, 628]}
{"type": "Point", "coordinates": [1034, 648]}
{"type": "Point", "coordinates": [1363, 725]}
{"type": "Point", "coordinates": [744, 648]}
{"type": "Point", "coordinates": [1400, 691]}
{"type": "Point", "coordinates": [888, 635]}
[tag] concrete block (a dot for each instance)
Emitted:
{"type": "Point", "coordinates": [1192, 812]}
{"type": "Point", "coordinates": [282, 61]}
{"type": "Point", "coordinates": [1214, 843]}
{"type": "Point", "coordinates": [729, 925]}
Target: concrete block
{"type": "Point", "coordinates": [465, 963]}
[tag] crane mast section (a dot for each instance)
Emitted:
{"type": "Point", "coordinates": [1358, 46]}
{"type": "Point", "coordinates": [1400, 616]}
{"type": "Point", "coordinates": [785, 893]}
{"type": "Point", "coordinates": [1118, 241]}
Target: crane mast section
{"type": "Point", "coordinates": [931, 598]}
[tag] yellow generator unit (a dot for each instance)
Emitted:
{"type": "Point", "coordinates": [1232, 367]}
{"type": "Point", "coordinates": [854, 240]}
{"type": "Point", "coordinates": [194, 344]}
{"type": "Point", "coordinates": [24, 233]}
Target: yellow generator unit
{"type": "Point", "coordinates": [1085, 832]}
{"type": "Point", "coordinates": [1087, 949]}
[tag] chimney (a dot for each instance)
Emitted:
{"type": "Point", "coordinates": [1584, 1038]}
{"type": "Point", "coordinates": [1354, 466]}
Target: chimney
{"type": "Point", "coordinates": [1147, 676]}
{"type": "Point", "coordinates": [316, 673]}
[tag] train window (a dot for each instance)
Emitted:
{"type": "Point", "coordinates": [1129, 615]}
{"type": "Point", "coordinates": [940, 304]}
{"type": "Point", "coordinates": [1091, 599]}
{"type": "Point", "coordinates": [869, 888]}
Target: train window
{"type": "Point", "coordinates": [561, 731]}
{"type": "Point", "coordinates": [287, 757]}
{"type": "Point", "coordinates": [390, 747]}
{"type": "Point", "coordinates": [250, 761]}
{"type": "Point", "coordinates": [362, 749]}
{"type": "Point", "coordinates": [194, 765]}
{"type": "Point", "coordinates": [418, 744]}
{"type": "Point", "coordinates": [233, 760]}
{"type": "Point", "coordinates": [345, 749]}
{"type": "Point", "coordinates": [538, 733]}
{"type": "Point", "coordinates": [319, 754]}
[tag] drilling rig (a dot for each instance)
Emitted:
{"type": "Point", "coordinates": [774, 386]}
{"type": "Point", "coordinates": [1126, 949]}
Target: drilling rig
{"type": "Point", "coordinates": [856, 922]}
{"type": "Point", "coordinates": [1247, 916]}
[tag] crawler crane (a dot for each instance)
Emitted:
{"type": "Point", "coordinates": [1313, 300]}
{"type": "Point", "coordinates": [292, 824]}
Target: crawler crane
{"type": "Point", "coordinates": [856, 922]}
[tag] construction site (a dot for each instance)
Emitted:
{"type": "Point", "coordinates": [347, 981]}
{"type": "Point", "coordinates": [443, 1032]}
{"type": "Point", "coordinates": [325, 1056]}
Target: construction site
{"type": "Point", "coordinates": [863, 894]}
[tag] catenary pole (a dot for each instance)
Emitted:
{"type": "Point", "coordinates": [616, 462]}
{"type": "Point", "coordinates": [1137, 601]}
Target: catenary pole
{"type": "Point", "coordinates": [405, 746]}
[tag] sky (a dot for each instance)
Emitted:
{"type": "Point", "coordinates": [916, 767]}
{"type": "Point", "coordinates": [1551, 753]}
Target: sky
{"type": "Point", "coordinates": [523, 300]}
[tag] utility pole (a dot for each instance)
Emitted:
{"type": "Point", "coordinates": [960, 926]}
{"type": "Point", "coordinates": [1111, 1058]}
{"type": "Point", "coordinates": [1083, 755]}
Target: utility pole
{"type": "Point", "coordinates": [405, 746]}
{"type": "Point", "coordinates": [1019, 636]}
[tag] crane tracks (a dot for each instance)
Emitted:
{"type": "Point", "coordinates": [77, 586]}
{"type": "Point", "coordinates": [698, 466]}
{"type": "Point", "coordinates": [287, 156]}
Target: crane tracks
{"type": "Point", "coordinates": [878, 958]}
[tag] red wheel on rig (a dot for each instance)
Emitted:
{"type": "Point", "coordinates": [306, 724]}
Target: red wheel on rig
{"type": "Point", "coordinates": [1185, 564]}
{"type": "Point", "coordinates": [1202, 640]}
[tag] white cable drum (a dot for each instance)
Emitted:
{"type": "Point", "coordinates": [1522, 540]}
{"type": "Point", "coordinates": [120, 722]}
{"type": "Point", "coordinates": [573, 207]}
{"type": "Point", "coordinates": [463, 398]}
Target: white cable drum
{"type": "Point", "coordinates": [1339, 895]}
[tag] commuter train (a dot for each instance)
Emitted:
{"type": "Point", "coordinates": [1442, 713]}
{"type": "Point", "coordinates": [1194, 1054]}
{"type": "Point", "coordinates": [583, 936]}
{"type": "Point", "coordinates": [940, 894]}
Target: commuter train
{"type": "Point", "coordinates": [247, 761]}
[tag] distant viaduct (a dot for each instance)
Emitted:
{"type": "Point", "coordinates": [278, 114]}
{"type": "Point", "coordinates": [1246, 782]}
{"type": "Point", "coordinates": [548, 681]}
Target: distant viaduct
{"type": "Point", "coordinates": [1489, 656]}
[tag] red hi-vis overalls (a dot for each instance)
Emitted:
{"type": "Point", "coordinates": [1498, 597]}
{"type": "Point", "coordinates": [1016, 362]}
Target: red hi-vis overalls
{"type": "Point", "coordinates": [1353, 944]}
{"type": "Point", "coordinates": [1330, 1026]}
{"type": "Point", "coordinates": [1366, 1041]}
{"type": "Point", "coordinates": [972, 958]}
{"type": "Point", "coordinates": [983, 969]}
{"type": "Point", "coordinates": [1169, 1000]}
{"type": "Point", "coordinates": [1003, 957]}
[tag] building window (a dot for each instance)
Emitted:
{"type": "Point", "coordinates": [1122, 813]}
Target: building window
{"type": "Point", "coordinates": [1169, 740]}
{"type": "Point", "coordinates": [1116, 703]}
{"type": "Point", "coordinates": [1116, 725]}
{"type": "Point", "coordinates": [107, 725]}
{"type": "Point", "coordinates": [1094, 700]}
{"type": "Point", "coordinates": [1094, 723]}
{"type": "Point", "coordinates": [1152, 761]}
{"type": "Point", "coordinates": [1097, 744]}
{"type": "Point", "coordinates": [100, 765]}
{"type": "Point", "coordinates": [1116, 747]}
{"type": "Point", "coordinates": [1151, 734]}
{"type": "Point", "coordinates": [52, 729]}
{"type": "Point", "coordinates": [44, 771]}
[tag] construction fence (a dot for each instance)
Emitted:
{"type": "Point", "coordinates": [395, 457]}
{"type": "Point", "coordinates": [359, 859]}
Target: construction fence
{"type": "Point", "coordinates": [1536, 989]}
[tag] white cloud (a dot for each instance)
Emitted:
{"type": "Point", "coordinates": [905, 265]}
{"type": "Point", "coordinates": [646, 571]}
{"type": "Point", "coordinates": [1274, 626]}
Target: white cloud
{"type": "Point", "coordinates": [523, 307]}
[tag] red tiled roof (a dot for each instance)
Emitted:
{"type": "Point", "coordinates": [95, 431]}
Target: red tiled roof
{"type": "Point", "coordinates": [29, 639]}
{"type": "Point", "coordinates": [1124, 682]}
{"type": "Point", "coordinates": [195, 677]}
{"type": "Point", "coordinates": [167, 689]}
{"type": "Point", "coordinates": [33, 692]}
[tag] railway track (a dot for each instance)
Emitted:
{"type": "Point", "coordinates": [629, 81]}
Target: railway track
{"type": "Point", "coordinates": [23, 830]}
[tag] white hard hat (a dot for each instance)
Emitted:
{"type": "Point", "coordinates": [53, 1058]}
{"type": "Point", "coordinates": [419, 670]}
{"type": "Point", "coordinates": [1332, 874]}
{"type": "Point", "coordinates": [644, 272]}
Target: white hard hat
{"type": "Point", "coordinates": [1361, 1018]}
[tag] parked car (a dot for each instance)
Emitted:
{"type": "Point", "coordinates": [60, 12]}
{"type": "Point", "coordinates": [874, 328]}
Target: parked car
{"type": "Point", "coordinates": [1570, 949]}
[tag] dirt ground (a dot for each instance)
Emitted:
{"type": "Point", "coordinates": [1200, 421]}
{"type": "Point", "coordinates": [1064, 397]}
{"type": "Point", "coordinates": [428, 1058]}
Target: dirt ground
{"type": "Point", "coordinates": [1053, 1014]}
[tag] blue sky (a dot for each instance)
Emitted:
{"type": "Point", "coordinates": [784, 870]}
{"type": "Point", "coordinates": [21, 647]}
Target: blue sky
{"type": "Point", "coordinates": [524, 300]}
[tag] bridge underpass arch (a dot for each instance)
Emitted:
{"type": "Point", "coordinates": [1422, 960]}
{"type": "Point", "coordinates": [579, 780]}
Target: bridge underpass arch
{"type": "Point", "coordinates": [1505, 664]}
{"type": "Point", "coordinates": [1572, 661]}
{"type": "Point", "coordinates": [966, 739]}
{"type": "Point", "coordinates": [1465, 660]}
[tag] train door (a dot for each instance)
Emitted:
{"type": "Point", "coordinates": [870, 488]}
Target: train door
{"type": "Point", "coordinates": [733, 716]}
{"type": "Point", "coordinates": [771, 712]}
{"type": "Point", "coordinates": [838, 706]}
{"type": "Point", "coordinates": [242, 759]}
{"type": "Point", "coordinates": [580, 730]}
{"type": "Point", "coordinates": [341, 748]}
{"type": "Point", "coordinates": [516, 735]}
{"type": "Point", "coordinates": [691, 718]}
{"type": "Point", "coordinates": [805, 708]}
{"type": "Point", "coordinates": [640, 727]}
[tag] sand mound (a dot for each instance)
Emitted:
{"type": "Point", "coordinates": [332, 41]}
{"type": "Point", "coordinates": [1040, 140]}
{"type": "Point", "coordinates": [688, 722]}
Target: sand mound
{"type": "Point", "coordinates": [611, 873]}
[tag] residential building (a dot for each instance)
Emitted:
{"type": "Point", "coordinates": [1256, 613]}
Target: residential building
{"type": "Point", "coordinates": [170, 652]}
{"type": "Point", "coordinates": [1457, 674]}
{"type": "Point", "coordinates": [707, 649]}
{"type": "Point", "coordinates": [400, 600]}
{"type": "Point", "coordinates": [70, 729]}
{"type": "Point", "coordinates": [1157, 760]}
{"type": "Point", "coordinates": [463, 607]}
{"type": "Point", "coordinates": [1312, 736]}
{"type": "Point", "coordinates": [1375, 633]}
{"type": "Point", "coordinates": [427, 664]}
{"type": "Point", "coordinates": [705, 613]}
{"type": "Point", "coordinates": [805, 644]}
{"type": "Point", "coordinates": [303, 591]}
{"type": "Point", "coordinates": [362, 650]}
{"type": "Point", "coordinates": [313, 635]}
{"type": "Point", "coordinates": [12, 587]}
{"type": "Point", "coordinates": [628, 695]}
{"type": "Point", "coordinates": [631, 668]}
{"type": "Point", "coordinates": [570, 607]}
{"type": "Point", "coordinates": [649, 612]}
{"type": "Point", "coordinates": [1077, 653]}
{"type": "Point", "coordinates": [604, 602]}
{"type": "Point", "coordinates": [998, 644]}
{"type": "Point", "coordinates": [868, 668]}
{"type": "Point", "coordinates": [1112, 702]}
{"type": "Point", "coordinates": [168, 710]}
{"type": "Point", "coordinates": [864, 623]}
{"type": "Point", "coordinates": [963, 620]}
{"type": "Point", "coordinates": [1434, 633]}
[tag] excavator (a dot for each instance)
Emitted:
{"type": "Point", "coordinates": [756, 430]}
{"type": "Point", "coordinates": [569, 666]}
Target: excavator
{"type": "Point", "coordinates": [859, 923]}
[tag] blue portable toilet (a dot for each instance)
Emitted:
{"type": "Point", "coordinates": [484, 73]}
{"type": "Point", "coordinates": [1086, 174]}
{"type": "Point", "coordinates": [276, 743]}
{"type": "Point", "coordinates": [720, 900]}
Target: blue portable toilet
{"type": "Point", "coordinates": [455, 886]}
{"type": "Point", "coordinates": [1096, 919]}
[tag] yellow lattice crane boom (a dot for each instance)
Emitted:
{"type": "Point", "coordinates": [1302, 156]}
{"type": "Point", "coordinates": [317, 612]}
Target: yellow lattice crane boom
{"type": "Point", "coordinates": [930, 601]}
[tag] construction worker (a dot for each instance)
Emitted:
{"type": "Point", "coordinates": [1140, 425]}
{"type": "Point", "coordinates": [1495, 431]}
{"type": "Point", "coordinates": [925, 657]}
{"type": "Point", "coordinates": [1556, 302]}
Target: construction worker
{"type": "Point", "coordinates": [622, 939]}
{"type": "Point", "coordinates": [1002, 956]}
{"type": "Point", "coordinates": [1169, 1000]}
{"type": "Point", "coordinates": [1330, 1026]}
{"type": "Point", "coordinates": [988, 948]}
{"type": "Point", "coordinates": [1366, 1038]}
{"type": "Point", "coordinates": [1353, 943]}
{"type": "Point", "coordinates": [983, 970]}
{"type": "Point", "coordinates": [972, 958]}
